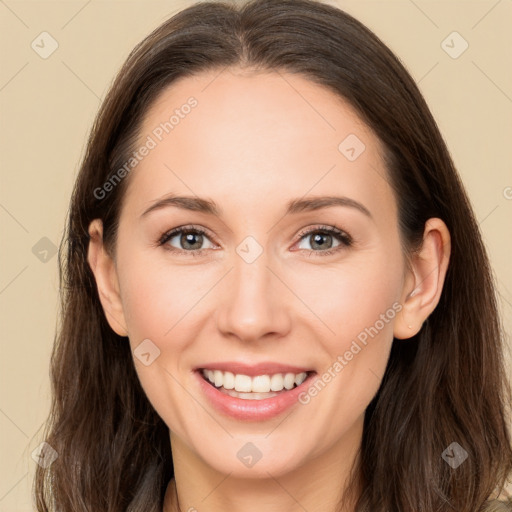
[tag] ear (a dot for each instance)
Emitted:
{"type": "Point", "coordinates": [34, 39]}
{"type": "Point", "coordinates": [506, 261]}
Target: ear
{"type": "Point", "coordinates": [424, 280]}
{"type": "Point", "coordinates": [104, 270]}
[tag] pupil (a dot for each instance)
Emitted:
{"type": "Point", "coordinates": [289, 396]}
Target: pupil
{"type": "Point", "coordinates": [189, 237]}
{"type": "Point", "coordinates": [317, 237]}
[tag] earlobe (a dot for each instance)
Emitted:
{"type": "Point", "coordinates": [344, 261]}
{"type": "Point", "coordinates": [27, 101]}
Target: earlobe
{"type": "Point", "coordinates": [424, 283]}
{"type": "Point", "coordinates": [104, 270]}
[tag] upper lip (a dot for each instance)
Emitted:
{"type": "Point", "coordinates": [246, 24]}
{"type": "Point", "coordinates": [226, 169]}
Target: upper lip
{"type": "Point", "coordinates": [265, 368]}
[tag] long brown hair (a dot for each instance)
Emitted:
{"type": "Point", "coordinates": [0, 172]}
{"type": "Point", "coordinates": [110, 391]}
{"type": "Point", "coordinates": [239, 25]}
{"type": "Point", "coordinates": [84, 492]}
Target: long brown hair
{"type": "Point", "coordinates": [447, 384]}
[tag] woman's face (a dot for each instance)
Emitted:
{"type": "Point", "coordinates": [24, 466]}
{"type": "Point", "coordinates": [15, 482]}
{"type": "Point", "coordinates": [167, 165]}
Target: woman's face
{"type": "Point", "coordinates": [265, 284]}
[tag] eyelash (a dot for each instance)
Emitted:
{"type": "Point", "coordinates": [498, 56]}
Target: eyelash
{"type": "Point", "coordinates": [344, 238]}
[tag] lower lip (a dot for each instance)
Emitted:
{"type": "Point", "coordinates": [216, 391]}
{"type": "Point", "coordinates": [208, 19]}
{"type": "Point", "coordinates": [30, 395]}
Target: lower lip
{"type": "Point", "coordinates": [251, 410]}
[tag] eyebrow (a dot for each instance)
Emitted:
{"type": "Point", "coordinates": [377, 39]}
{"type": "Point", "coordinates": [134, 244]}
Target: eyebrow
{"type": "Point", "coordinates": [294, 206]}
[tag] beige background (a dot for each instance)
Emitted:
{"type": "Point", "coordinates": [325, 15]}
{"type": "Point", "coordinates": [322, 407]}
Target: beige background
{"type": "Point", "coordinates": [48, 105]}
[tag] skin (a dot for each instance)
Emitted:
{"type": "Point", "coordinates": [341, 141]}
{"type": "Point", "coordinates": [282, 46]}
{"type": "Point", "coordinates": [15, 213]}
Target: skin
{"type": "Point", "coordinates": [253, 143]}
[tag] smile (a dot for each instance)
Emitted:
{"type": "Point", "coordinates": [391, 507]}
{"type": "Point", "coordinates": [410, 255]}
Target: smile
{"type": "Point", "coordinates": [257, 397]}
{"type": "Point", "coordinates": [253, 388]}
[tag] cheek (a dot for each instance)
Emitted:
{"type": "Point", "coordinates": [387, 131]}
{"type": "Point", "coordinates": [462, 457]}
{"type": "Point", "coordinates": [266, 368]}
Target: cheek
{"type": "Point", "coordinates": [157, 295]}
{"type": "Point", "coordinates": [357, 307]}
{"type": "Point", "coordinates": [160, 302]}
{"type": "Point", "coordinates": [352, 298]}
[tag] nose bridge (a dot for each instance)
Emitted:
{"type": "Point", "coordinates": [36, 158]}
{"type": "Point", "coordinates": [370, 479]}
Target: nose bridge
{"type": "Point", "coordinates": [252, 304]}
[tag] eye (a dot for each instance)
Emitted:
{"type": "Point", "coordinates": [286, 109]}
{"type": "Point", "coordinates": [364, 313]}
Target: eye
{"type": "Point", "coordinates": [189, 239]}
{"type": "Point", "coordinates": [322, 239]}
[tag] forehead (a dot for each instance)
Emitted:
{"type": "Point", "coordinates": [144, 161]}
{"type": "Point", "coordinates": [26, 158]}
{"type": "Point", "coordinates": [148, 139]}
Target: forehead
{"type": "Point", "coordinates": [240, 137]}
{"type": "Point", "coordinates": [271, 104]}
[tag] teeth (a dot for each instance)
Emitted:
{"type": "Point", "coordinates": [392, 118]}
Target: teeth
{"type": "Point", "coordinates": [228, 380]}
{"type": "Point", "coordinates": [243, 383]}
{"type": "Point", "coordinates": [217, 378]}
{"type": "Point", "coordinates": [258, 384]}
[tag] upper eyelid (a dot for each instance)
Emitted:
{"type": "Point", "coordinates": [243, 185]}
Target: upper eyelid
{"type": "Point", "coordinates": [333, 230]}
{"type": "Point", "coordinates": [188, 227]}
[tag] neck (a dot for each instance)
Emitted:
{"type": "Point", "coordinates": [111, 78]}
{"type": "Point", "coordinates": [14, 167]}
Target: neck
{"type": "Point", "coordinates": [316, 486]}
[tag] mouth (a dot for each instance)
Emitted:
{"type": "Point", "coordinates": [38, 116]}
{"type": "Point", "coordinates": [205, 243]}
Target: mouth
{"type": "Point", "coordinates": [253, 392]}
{"type": "Point", "coordinates": [256, 387]}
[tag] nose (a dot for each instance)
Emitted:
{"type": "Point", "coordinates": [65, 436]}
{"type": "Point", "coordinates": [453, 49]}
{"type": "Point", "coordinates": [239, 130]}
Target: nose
{"type": "Point", "coordinates": [254, 302]}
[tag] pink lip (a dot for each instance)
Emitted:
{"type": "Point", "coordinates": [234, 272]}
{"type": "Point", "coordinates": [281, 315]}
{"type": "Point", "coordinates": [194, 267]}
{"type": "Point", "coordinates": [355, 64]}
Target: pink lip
{"type": "Point", "coordinates": [268, 368]}
{"type": "Point", "coordinates": [252, 410]}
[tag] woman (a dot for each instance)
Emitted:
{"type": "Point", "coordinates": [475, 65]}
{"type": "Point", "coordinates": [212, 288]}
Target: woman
{"type": "Point", "coordinates": [330, 338]}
